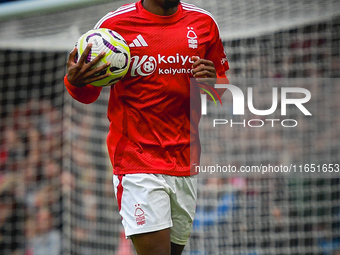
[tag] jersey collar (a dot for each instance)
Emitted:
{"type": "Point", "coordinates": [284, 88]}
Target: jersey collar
{"type": "Point", "coordinates": [158, 18]}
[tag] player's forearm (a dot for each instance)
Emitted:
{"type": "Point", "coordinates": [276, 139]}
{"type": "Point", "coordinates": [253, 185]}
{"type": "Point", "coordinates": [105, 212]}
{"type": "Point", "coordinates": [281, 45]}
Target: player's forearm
{"type": "Point", "coordinates": [86, 95]}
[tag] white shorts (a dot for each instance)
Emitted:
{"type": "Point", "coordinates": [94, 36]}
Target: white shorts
{"type": "Point", "coordinates": [152, 202]}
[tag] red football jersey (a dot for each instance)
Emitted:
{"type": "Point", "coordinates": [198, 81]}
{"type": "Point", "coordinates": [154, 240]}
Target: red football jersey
{"type": "Point", "coordinates": [149, 109]}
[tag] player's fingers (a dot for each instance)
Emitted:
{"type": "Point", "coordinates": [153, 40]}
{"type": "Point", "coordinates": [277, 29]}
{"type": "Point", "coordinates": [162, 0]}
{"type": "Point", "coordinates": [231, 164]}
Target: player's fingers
{"type": "Point", "coordinates": [203, 67]}
{"type": "Point", "coordinates": [95, 72]}
{"type": "Point", "coordinates": [86, 52]}
{"type": "Point", "coordinates": [96, 78]}
{"type": "Point", "coordinates": [71, 57]}
{"type": "Point", "coordinates": [96, 60]}
{"type": "Point", "coordinates": [205, 74]}
{"type": "Point", "coordinates": [204, 62]}
{"type": "Point", "coordinates": [195, 58]}
{"type": "Point", "coordinates": [204, 71]}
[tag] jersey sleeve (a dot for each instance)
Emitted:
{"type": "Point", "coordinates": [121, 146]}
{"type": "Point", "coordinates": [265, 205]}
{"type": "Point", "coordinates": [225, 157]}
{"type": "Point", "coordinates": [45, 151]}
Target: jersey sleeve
{"type": "Point", "coordinates": [86, 95]}
{"type": "Point", "coordinates": [216, 52]}
{"type": "Point", "coordinates": [217, 55]}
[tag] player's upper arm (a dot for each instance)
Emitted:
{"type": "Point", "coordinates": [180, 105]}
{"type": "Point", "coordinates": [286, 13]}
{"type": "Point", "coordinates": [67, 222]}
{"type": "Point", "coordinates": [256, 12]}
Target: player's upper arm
{"type": "Point", "coordinates": [216, 52]}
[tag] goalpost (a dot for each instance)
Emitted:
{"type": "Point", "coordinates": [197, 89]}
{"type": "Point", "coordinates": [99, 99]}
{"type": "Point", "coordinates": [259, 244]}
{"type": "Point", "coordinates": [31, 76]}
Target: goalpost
{"type": "Point", "coordinates": [54, 164]}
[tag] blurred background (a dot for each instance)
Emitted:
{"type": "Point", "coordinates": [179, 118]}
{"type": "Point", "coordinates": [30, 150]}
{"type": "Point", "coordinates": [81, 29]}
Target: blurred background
{"type": "Point", "coordinates": [56, 194]}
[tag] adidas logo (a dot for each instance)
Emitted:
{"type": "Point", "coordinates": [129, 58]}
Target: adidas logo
{"type": "Point", "coordinates": [138, 42]}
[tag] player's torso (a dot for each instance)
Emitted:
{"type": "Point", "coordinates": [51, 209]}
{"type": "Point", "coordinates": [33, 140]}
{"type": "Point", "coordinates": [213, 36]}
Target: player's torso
{"type": "Point", "coordinates": [150, 106]}
{"type": "Point", "coordinates": [162, 50]}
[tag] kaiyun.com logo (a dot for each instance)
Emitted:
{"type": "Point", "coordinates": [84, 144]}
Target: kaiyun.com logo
{"type": "Point", "coordinates": [239, 106]}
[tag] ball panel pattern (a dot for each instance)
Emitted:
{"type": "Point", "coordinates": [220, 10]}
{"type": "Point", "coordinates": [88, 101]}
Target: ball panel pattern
{"type": "Point", "coordinates": [116, 49]}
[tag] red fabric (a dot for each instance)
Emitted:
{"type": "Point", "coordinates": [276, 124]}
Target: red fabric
{"type": "Point", "coordinates": [85, 95]}
{"type": "Point", "coordinates": [149, 110]}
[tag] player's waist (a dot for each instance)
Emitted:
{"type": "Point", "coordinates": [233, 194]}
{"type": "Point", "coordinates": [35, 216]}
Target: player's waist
{"type": "Point", "coordinates": [180, 171]}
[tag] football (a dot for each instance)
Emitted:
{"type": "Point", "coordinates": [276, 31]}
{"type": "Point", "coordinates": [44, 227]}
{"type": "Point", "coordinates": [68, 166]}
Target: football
{"type": "Point", "coordinates": [117, 53]}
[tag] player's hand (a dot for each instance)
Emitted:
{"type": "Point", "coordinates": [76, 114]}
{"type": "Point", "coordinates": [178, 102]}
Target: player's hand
{"type": "Point", "coordinates": [203, 68]}
{"type": "Point", "coordinates": [204, 71]}
{"type": "Point", "coordinates": [80, 74]}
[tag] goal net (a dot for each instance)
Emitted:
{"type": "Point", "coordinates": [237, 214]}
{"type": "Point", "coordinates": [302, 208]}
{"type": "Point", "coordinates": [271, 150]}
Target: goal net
{"type": "Point", "coordinates": [56, 192]}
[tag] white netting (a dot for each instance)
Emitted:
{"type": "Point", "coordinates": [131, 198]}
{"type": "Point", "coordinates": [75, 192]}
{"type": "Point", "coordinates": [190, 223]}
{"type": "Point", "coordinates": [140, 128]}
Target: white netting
{"type": "Point", "coordinates": [31, 129]}
{"type": "Point", "coordinates": [236, 19]}
{"type": "Point", "coordinates": [256, 208]}
{"type": "Point", "coordinates": [56, 183]}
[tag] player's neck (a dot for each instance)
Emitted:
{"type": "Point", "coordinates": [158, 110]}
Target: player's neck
{"type": "Point", "coordinates": [154, 7]}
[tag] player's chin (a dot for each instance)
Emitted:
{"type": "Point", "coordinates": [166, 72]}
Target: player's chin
{"type": "Point", "coordinates": [171, 3]}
